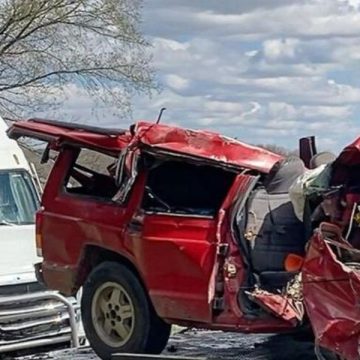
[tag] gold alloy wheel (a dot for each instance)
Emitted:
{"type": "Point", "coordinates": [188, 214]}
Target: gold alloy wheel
{"type": "Point", "coordinates": [113, 314]}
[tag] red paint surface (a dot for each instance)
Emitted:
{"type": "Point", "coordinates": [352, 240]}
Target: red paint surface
{"type": "Point", "coordinates": [350, 156]}
{"type": "Point", "coordinates": [58, 135]}
{"type": "Point", "coordinates": [205, 144]}
{"type": "Point", "coordinates": [331, 296]}
{"type": "Point", "coordinates": [176, 256]}
{"type": "Point", "coordinates": [195, 144]}
{"type": "Point", "coordinates": [279, 305]}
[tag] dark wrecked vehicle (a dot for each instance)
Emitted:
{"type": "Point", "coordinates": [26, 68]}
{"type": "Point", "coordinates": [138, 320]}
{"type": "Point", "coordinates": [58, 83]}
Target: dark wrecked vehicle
{"type": "Point", "coordinates": [192, 228]}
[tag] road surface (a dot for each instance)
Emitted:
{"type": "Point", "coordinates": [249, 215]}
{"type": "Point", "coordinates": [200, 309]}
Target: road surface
{"type": "Point", "coordinates": [215, 345]}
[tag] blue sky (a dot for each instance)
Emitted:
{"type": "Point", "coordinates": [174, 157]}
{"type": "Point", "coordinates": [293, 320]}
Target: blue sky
{"type": "Point", "coordinates": [265, 71]}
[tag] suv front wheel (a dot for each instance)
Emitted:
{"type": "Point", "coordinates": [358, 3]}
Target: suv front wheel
{"type": "Point", "coordinates": [117, 314]}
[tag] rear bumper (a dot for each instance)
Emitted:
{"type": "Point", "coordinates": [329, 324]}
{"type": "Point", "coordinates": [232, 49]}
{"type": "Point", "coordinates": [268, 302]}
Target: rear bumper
{"type": "Point", "coordinates": [38, 318]}
{"type": "Point", "coordinates": [53, 276]}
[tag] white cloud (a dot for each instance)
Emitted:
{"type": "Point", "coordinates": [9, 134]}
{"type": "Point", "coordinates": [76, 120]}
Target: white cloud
{"type": "Point", "coordinates": [280, 49]}
{"type": "Point", "coordinates": [177, 82]}
{"type": "Point", "coordinates": [238, 19]}
{"type": "Point", "coordinates": [261, 70]}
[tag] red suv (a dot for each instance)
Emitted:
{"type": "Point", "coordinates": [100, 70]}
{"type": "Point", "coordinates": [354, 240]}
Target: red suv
{"type": "Point", "coordinates": [162, 225]}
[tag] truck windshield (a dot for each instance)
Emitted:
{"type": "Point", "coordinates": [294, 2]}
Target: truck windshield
{"type": "Point", "coordinates": [18, 198]}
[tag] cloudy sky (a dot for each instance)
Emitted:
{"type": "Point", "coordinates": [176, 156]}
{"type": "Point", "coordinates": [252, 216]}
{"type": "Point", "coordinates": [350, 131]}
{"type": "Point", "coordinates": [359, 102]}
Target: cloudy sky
{"type": "Point", "coordinates": [266, 71]}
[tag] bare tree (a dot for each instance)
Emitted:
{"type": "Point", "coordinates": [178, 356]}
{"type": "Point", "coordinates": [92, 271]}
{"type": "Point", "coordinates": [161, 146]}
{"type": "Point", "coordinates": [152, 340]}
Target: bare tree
{"type": "Point", "coordinates": [48, 47]}
{"type": "Point", "coordinates": [279, 149]}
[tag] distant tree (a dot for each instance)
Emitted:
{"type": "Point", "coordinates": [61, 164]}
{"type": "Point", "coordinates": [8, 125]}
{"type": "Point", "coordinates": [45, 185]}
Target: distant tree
{"type": "Point", "coordinates": [47, 45]}
{"type": "Point", "coordinates": [279, 149]}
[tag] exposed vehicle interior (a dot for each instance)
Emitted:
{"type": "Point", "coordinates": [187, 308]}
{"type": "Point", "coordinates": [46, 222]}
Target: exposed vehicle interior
{"type": "Point", "coordinates": [96, 181]}
{"type": "Point", "coordinates": [269, 229]}
{"type": "Point", "coordinates": [181, 187]}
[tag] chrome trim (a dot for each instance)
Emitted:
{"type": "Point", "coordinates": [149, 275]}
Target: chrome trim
{"type": "Point", "coordinates": [24, 299]}
{"type": "Point", "coordinates": [35, 343]}
{"type": "Point", "coordinates": [33, 311]}
{"type": "Point", "coordinates": [30, 324]}
{"type": "Point", "coordinates": [48, 334]}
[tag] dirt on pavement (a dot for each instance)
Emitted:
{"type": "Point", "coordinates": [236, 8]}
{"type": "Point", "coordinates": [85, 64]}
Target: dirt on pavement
{"type": "Point", "coordinates": [215, 345]}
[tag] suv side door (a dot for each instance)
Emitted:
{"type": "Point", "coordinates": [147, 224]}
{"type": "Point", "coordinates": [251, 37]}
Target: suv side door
{"type": "Point", "coordinates": [71, 221]}
{"type": "Point", "coordinates": [177, 252]}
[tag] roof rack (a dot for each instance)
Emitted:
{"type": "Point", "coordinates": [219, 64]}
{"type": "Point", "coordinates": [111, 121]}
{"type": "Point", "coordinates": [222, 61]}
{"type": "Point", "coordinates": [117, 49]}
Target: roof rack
{"type": "Point", "coordinates": [81, 127]}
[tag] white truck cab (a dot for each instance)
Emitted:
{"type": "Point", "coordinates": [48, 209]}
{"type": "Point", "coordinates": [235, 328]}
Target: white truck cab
{"type": "Point", "coordinates": [30, 315]}
{"type": "Point", "coordinates": [19, 200]}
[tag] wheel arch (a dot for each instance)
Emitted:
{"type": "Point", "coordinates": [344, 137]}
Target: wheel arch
{"type": "Point", "coordinates": [151, 332]}
{"type": "Point", "coordinates": [94, 255]}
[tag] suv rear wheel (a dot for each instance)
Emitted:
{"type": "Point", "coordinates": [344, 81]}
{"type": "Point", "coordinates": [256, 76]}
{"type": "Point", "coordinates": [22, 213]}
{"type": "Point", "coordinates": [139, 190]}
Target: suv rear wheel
{"type": "Point", "coordinates": [117, 314]}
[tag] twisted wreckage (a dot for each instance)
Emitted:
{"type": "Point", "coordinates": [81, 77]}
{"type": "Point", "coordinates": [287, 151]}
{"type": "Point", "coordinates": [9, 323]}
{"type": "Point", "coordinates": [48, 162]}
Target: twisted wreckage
{"type": "Point", "coordinates": [192, 228]}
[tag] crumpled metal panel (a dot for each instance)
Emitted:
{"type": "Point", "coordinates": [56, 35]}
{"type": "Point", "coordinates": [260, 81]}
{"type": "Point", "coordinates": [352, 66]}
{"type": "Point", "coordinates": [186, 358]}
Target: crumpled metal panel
{"type": "Point", "coordinates": [278, 304]}
{"type": "Point", "coordinates": [162, 138]}
{"type": "Point", "coordinates": [206, 145]}
{"type": "Point", "coordinates": [331, 294]}
{"type": "Point", "coordinates": [350, 155]}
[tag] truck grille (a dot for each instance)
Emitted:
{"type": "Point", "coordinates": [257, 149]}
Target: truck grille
{"type": "Point", "coordinates": [29, 313]}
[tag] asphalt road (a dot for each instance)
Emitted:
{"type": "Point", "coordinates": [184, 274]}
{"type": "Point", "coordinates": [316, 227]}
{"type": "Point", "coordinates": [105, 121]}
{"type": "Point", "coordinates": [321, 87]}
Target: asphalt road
{"type": "Point", "coordinates": [215, 345]}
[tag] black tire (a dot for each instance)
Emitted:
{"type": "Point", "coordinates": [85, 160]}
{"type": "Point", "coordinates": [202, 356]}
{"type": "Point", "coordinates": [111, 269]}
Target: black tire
{"type": "Point", "coordinates": [149, 333]}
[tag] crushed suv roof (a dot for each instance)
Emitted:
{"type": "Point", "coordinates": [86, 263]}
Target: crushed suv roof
{"type": "Point", "coordinates": [195, 144]}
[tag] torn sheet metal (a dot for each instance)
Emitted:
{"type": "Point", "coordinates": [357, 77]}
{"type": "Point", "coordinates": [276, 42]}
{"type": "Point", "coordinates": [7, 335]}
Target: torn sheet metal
{"type": "Point", "coordinates": [206, 145]}
{"type": "Point", "coordinates": [196, 145]}
{"type": "Point", "coordinates": [280, 305]}
{"type": "Point", "coordinates": [331, 293]}
{"type": "Point", "coordinates": [350, 156]}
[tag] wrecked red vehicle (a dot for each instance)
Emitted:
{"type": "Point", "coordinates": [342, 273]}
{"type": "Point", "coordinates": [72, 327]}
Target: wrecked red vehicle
{"type": "Point", "coordinates": [192, 228]}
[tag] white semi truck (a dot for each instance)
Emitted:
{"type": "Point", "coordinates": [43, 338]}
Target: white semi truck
{"type": "Point", "coordinates": [30, 315]}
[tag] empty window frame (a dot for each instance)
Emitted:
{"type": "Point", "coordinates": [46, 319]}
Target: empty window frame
{"type": "Point", "coordinates": [92, 175]}
{"type": "Point", "coordinates": [185, 188]}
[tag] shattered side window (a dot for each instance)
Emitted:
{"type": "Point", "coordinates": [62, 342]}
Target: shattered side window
{"type": "Point", "coordinates": [92, 175]}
